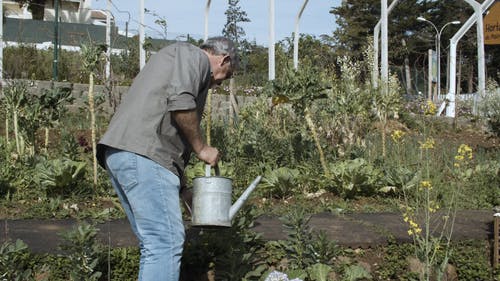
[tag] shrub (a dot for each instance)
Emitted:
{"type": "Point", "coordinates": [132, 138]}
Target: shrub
{"type": "Point", "coordinates": [14, 262]}
{"type": "Point", "coordinates": [490, 107]}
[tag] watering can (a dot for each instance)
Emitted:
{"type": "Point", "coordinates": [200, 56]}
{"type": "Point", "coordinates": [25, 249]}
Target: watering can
{"type": "Point", "coordinates": [212, 199]}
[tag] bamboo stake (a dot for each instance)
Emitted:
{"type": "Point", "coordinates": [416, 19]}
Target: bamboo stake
{"type": "Point", "coordinates": [92, 124]}
{"type": "Point", "coordinates": [16, 132]}
{"type": "Point", "coordinates": [7, 129]}
{"type": "Point", "coordinates": [384, 125]}
{"type": "Point", "coordinates": [209, 116]}
{"type": "Point", "coordinates": [46, 139]}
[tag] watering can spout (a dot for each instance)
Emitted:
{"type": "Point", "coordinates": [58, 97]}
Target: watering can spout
{"type": "Point", "coordinates": [239, 203]}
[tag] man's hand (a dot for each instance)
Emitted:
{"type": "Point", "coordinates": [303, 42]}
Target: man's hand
{"type": "Point", "coordinates": [209, 155]}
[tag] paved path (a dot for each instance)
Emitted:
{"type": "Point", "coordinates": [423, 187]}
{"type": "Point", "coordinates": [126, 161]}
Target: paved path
{"type": "Point", "coordinates": [351, 230]}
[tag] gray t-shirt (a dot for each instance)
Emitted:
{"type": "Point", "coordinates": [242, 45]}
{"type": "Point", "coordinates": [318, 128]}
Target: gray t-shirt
{"type": "Point", "coordinates": [176, 78]}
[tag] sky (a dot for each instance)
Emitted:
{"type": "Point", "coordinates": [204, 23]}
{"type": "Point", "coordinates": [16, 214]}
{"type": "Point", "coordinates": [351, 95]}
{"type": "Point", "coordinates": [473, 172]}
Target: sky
{"type": "Point", "coordinates": [188, 17]}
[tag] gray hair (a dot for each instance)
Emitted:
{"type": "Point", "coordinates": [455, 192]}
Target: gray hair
{"type": "Point", "coordinates": [221, 46]}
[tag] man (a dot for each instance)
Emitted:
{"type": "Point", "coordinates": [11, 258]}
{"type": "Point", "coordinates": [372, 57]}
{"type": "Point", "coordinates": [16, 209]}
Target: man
{"type": "Point", "coordinates": [149, 141]}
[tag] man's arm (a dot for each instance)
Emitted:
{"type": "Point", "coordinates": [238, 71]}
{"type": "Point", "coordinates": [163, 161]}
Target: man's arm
{"type": "Point", "coordinates": [188, 123]}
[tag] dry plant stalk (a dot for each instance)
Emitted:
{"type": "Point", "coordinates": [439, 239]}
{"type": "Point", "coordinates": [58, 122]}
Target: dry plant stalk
{"type": "Point", "coordinates": [310, 123]}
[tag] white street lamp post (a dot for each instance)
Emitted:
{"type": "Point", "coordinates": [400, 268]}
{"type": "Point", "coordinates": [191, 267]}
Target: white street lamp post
{"type": "Point", "coordinates": [438, 48]}
{"type": "Point", "coordinates": [296, 37]}
{"type": "Point", "coordinates": [142, 52]}
{"type": "Point", "coordinates": [207, 10]}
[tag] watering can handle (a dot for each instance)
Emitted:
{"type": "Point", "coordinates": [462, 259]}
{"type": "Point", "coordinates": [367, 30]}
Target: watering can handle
{"type": "Point", "coordinates": [208, 170]}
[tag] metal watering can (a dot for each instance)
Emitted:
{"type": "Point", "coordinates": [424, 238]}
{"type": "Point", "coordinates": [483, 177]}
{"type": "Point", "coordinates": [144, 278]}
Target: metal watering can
{"type": "Point", "coordinates": [212, 199]}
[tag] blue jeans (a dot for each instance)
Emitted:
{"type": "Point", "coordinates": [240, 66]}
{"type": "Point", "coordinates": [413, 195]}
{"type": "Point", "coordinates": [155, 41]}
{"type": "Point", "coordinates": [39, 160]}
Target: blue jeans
{"type": "Point", "coordinates": [149, 194]}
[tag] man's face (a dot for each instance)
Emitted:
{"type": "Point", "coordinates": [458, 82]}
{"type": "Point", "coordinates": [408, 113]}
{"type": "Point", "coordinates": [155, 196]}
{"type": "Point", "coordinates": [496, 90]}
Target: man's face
{"type": "Point", "coordinates": [223, 70]}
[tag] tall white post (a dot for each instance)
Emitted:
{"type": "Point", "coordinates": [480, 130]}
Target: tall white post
{"type": "Point", "coordinates": [271, 40]}
{"type": "Point", "coordinates": [1, 43]}
{"type": "Point", "coordinates": [142, 52]}
{"type": "Point", "coordinates": [207, 9]}
{"type": "Point", "coordinates": [450, 109]}
{"type": "Point", "coordinates": [385, 47]}
{"type": "Point", "coordinates": [376, 34]}
{"type": "Point", "coordinates": [296, 36]}
{"type": "Point", "coordinates": [452, 76]}
{"type": "Point", "coordinates": [481, 73]}
{"type": "Point", "coordinates": [108, 39]}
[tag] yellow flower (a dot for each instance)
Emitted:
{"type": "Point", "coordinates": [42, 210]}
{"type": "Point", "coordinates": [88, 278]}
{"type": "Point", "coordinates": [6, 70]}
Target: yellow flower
{"type": "Point", "coordinates": [426, 185]}
{"type": "Point", "coordinates": [465, 151]}
{"type": "Point", "coordinates": [428, 144]}
{"type": "Point", "coordinates": [429, 108]}
{"type": "Point", "coordinates": [414, 231]}
{"type": "Point", "coordinates": [413, 224]}
{"type": "Point", "coordinates": [397, 136]}
{"type": "Point", "coordinates": [433, 206]}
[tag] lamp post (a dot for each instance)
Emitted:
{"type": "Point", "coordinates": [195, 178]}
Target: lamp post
{"type": "Point", "coordinates": [438, 48]}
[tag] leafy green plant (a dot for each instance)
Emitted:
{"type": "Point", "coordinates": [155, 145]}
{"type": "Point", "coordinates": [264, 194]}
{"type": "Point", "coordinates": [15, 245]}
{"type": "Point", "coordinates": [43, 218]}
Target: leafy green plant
{"type": "Point", "coordinates": [54, 104]}
{"type": "Point", "coordinates": [319, 272]}
{"type": "Point", "coordinates": [82, 251]}
{"type": "Point", "coordinates": [300, 88]}
{"type": "Point", "coordinates": [490, 107]}
{"type": "Point", "coordinates": [14, 262]}
{"type": "Point", "coordinates": [91, 55]}
{"type": "Point", "coordinates": [232, 253]}
{"type": "Point", "coordinates": [225, 169]}
{"type": "Point", "coordinates": [387, 103]}
{"type": "Point", "coordinates": [355, 272]}
{"type": "Point", "coordinates": [356, 177]}
{"type": "Point", "coordinates": [15, 98]}
{"type": "Point", "coordinates": [58, 176]}
{"type": "Point", "coordinates": [347, 113]}
{"type": "Point", "coordinates": [470, 260]}
{"type": "Point", "coordinates": [303, 247]}
{"type": "Point", "coordinates": [124, 263]}
{"type": "Point", "coordinates": [281, 182]}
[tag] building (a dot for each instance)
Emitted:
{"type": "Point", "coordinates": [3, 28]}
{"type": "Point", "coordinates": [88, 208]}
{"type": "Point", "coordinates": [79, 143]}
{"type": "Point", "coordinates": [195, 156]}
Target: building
{"type": "Point", "coordinates": [70, 11]}
{"type": "Point", "coordinates": [78, 24]}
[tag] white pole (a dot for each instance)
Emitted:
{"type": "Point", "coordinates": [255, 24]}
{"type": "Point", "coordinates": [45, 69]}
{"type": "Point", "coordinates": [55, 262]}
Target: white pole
{"type": "Point", "coordinates": [271, 40]}
{"type": "Point", "coordinates": [481, 73]}
{"type": "Point", "coordinates": [450, 109]}
{"type": "Point", "coordinates": [385, 49]}
{"type": "Point", "coordinates": [108, 39]}
{"type": "Point", "coordinates": [207, 9]}
{"type": "Point", "coordinates": [142, 52]}
{"type": "Point", "coordinates": [1, 42]}
{"type": "Point", "coordinates": [296, 36]}
{"type": "Point", "coordinates": [452, 76]}
{"type": "Point", "coordinates": [376, 34]}
{"type": "Point", "coordinates": [375, 70]}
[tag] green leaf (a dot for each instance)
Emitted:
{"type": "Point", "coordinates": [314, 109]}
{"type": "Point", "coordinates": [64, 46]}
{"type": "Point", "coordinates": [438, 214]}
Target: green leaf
{"type": "Point", "coordinates": [319, 272]}
{"type": "Point", "coordinates": [356, 272]}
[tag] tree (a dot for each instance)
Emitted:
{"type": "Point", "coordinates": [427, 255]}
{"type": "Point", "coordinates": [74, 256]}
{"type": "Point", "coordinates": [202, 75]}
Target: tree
{"type": "Point", "coordinates": [409, 39]}
{"type": "Point", "coordinates": [234, 32]}
{"type": "Point", "coordinates": [234, 16]}
{"type": "Point", "coordinates": [356, 20]}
